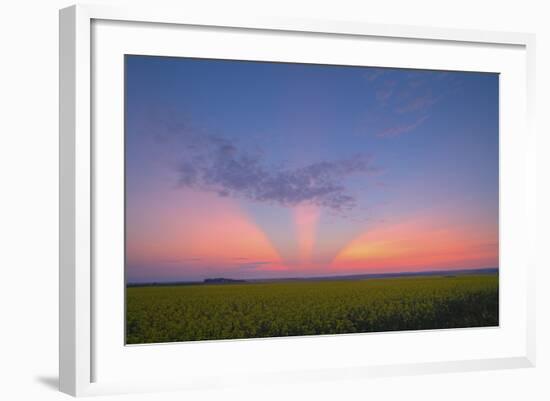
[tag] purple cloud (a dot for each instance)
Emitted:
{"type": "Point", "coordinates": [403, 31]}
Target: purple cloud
{"type": "Point", "coordinates": [417, 103]}
{"type": "Point", "coordinates": [254, 265]}
{"type": "Point", "coordinates": [399, 129]}
{"type": "Point", "coordinates": [408, 101]}
{"type": "Point", "coordinates": [215, 164]}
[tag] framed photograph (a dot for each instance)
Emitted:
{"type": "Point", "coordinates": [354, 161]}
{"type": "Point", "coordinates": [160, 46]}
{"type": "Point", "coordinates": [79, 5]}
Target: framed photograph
{"type": "Point", "coordinates": [272, 200]}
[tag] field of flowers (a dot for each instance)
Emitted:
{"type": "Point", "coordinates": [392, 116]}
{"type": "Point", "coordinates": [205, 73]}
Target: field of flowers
{"type": "Point", "coordinates": [158, 314]}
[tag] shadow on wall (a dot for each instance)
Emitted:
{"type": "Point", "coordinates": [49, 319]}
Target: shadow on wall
{"type": "Point", "coordinates": [51, 382]}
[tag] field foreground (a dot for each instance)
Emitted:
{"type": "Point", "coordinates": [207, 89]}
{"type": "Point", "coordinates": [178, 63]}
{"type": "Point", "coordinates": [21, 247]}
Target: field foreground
{"type": "Point", "coordinates": [157, 314]}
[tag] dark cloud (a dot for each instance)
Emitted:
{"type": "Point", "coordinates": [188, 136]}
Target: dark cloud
{"type": "Point", "coordinates": [216, 164]}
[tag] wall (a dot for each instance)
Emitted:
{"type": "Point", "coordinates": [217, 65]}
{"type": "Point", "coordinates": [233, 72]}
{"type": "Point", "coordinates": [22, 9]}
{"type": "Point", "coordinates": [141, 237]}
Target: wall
{"type": "Point", "coordinates": [28, 205]}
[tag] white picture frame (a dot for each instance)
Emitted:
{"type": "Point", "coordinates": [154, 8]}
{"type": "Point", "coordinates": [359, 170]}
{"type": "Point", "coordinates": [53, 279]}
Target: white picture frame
{"type": "Point", "coordinates": [78, 368]}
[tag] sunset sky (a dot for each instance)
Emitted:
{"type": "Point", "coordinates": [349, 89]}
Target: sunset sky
{"type": "Point", "coordinates": [254, 170]}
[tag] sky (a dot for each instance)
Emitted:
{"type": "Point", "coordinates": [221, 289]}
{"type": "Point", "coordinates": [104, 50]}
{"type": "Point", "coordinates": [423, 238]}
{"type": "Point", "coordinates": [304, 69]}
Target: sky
{"type": "Point", "coordinates": [243, 170]}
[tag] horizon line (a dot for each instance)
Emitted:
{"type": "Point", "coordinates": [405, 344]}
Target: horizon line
{"type": "Point", "coordinates": [400, 273]}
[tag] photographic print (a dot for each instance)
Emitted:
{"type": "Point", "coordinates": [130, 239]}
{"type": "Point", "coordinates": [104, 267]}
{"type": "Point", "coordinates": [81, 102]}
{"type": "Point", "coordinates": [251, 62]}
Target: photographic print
{"type": "Point", "coordinates": [270, 199]}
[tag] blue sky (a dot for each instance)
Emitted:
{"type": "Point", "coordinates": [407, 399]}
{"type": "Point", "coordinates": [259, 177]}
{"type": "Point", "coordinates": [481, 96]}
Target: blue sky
{"type": "Point", "coordinates": [362, 147]}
